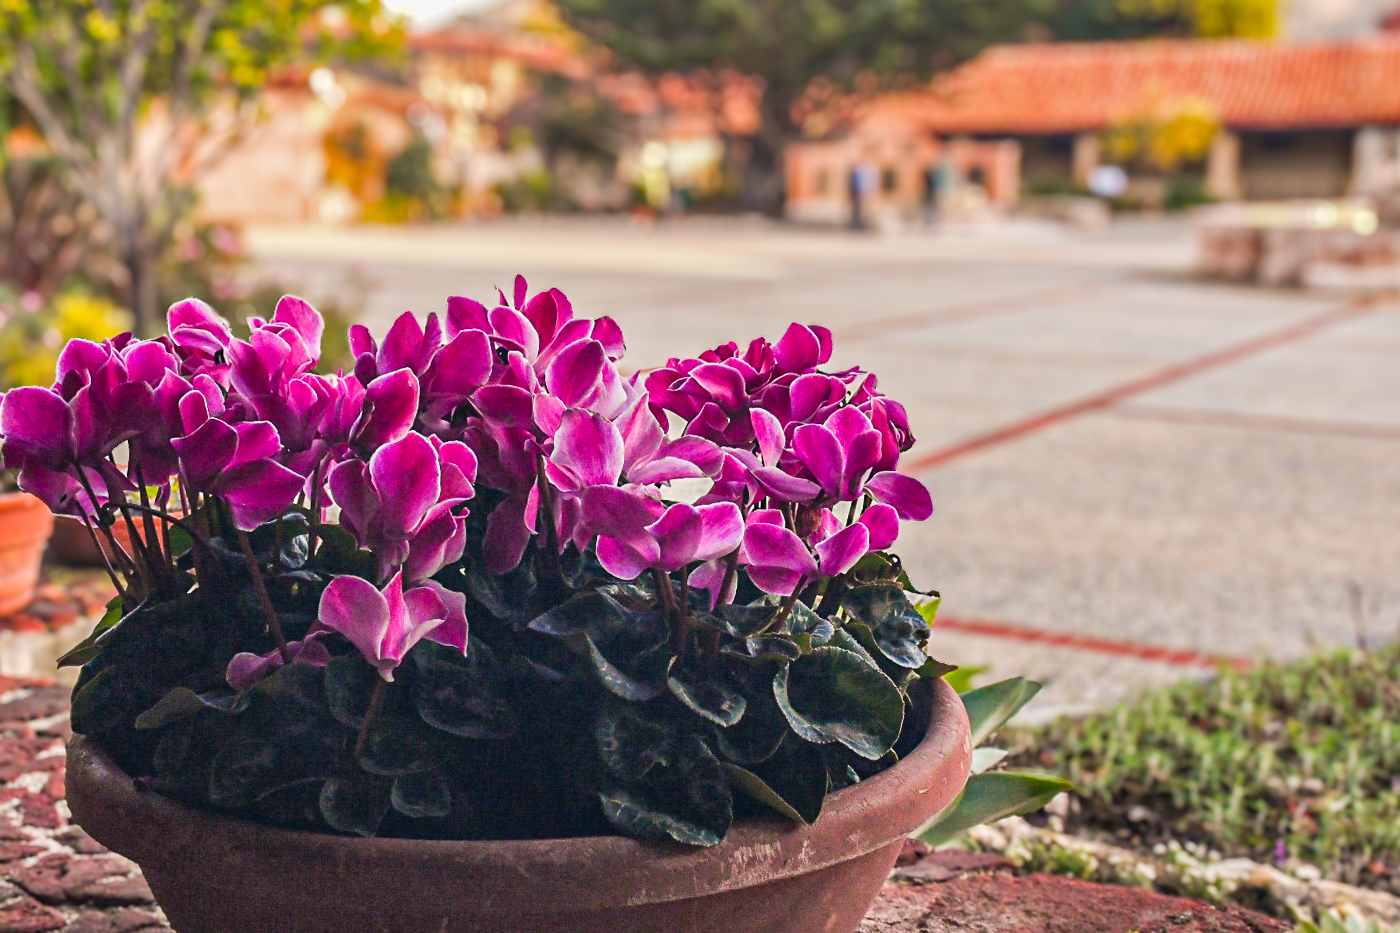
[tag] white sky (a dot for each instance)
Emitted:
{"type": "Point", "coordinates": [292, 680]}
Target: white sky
{"type": "Point", "coordinates": [427, 12]}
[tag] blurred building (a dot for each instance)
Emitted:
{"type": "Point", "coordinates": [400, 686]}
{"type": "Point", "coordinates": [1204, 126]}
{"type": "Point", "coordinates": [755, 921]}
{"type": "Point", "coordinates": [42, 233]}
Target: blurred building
{"type": "Point", "coordinates": [503, 108]}
{"type": "Point", "coordinates": [1272, 120]}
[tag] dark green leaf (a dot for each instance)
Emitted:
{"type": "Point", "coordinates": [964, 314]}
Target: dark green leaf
{"type": "Point", "coordinates": [709, 698]}
{"type": "Point", "coordinates": [774, 648]}
{"type": "Point", "coordinates": [629, 743]}
{"type": "Point", "coordinates": [803, 621]}
{"type": "Point", "coordinates": [847, 642]}
{"type": "Point", "coordinates": [634, 815]}
{"type": "Point", "coordinates": [91, 646]}
{"type": "Point", "coordinates": [183, 702]}
{"type": "Point", "coordinates": [588, 612]}
{"type": "Point", "coordinates": [747, 621]}
{"type": "Point", "coordinates": [989, 708]}
{"type": "Point", "coordinates": [794, 784]}
{"type": "Point", "coordinates": [245, 766]}
{"type": "Point", "coordinates": [422, 795]}
{"type": "Point", "coordinates": [757, 736]}
{"type": "Point", "coordinates": [350, 683]}
{"type": "Point", "coordinates": [454, 693]}
{"type": "Point", "coordinates": [645, 681]}
{"type": "Point", "coordinates": [900, 631]}
{"type": "Point", "coordinates": [833, 695]}
{"type": "Point", "coordinates": [181, 541]}
{"type": "Point", "coordinates": [990, 797]}
{"type": "Point", "coordinates": [355, 804]}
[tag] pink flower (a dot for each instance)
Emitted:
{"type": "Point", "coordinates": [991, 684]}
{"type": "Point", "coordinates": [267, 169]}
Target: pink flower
{"type": "Point", "coordinates": [403, 504]}
{"type": "Point", "coordinates": [385, 624]}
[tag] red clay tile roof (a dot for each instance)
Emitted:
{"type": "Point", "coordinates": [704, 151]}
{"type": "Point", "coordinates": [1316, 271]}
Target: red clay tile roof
{"type": "Point", "coordinates": [1078, 87]}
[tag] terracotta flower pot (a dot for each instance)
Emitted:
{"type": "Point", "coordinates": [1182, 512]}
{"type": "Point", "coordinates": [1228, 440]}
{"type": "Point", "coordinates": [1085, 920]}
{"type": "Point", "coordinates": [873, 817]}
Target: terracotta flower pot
{"type": "Point", "coordinates": [216, 875]}
{"type": "Point", "coordinates": [72, 543]}
{"type": "Point", "coordinates": [25, 526]}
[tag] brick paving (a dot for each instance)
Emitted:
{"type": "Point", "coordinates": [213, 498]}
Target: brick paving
{"type": "Point", "coordinates": [54, 878]}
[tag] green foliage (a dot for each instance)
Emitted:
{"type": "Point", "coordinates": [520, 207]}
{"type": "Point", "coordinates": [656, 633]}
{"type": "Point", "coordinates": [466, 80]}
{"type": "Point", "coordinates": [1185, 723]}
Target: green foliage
{"type": "Point", "coordinates": [789, 43]}
{"type": "Point", "coordinates": [1304, 753]}
{"type": "Point", "coordinates": [992, 795]}
{"type": "Point", "coordinates": [576, 710]}
{"type": "Point", "coordinates": [1081, 20]}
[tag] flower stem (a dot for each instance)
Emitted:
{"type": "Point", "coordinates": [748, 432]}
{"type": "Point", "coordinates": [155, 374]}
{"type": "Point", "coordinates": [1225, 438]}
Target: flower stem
{"type": "Point", "coordinates": [273, 625]}
{"type": "Point", "coordinates": [376, 704]}
{"type": "Point", "coordinates": [789, 604]}
{"type": "Point", "coordinates": [546, 506]}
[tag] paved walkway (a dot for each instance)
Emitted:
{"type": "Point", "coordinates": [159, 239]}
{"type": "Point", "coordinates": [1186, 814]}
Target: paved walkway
{"type": "Point", "coordinates": [1134, 471]}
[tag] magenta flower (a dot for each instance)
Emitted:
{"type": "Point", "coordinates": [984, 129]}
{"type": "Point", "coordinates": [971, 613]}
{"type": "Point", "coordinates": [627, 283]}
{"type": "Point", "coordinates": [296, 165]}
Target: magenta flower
{"type": "Point", "coordinates": [448, 373]}
{"type": "Point", "coordinates": [403, 504]}
{"type": "Point", "coordinates": [778, 562]}
{"type": "Point", "coordinates": [278, 350]}
{"type": "Point", "coordinates": [246, 668]}
{"type": "Point", "coordinates": [839, 453]}
{"type": "Point", "coordinates": [839, 549]}
{"type": "Point", "coordinates": [385, 624]}
{"type": "Point", "coordinates": [236, 462]}
{"type": "Point", "coordinates": [201, 339]}
{"type": "Point", "coordinates": [636, 533]}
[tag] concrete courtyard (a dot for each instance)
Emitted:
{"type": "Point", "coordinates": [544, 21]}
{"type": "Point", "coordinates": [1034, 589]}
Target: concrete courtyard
{"type": "Point", "coordinates": [1135, 472]}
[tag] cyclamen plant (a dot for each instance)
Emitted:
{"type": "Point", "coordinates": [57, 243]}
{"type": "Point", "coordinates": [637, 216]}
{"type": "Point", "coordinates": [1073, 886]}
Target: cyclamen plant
{"type": "Point", "coordinates": [454, 594]}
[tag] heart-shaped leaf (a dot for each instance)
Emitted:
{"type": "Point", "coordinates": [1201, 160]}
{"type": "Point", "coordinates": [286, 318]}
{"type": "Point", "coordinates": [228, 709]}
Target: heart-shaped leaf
{"type": "Point", "coordinates": [900, 632]}
{"type": "Point", "coordinates": [833, 695]}
{"type": "Point", "coordinates": [707, 697]}
{"type": "Point", "coordinates": [355, 804]}
{"type": "Point", "coordinates": [422, 795]}
{"type": "Point", "coordinates": [629, 743]}
{"type": "Point", "coordinates": [183, 702]}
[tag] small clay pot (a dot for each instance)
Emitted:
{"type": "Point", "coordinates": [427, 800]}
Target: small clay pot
{"type": "Point", "coordinates": [25, 526]}
{"type": "Point", "coordinates": [72, 544]}
{"type": "Point", "coordinates": [216, 875]}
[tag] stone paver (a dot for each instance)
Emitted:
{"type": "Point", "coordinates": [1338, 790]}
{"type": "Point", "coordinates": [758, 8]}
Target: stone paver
{"type": "Point", "coordinates": [1244, 509]}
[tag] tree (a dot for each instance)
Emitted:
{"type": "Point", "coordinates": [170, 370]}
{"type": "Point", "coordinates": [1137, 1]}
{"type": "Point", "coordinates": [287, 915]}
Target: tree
{"type": "Point", "coordinates": [789, 43]}
{"type": "Point", "coordinates": [137, 98]}
{"type": "Point", "coordinates": [1135, 19]}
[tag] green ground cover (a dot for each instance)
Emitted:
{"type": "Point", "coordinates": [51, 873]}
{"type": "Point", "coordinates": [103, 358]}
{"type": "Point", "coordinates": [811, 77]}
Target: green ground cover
{"type": "Point", "coordinates": [1282, 763]}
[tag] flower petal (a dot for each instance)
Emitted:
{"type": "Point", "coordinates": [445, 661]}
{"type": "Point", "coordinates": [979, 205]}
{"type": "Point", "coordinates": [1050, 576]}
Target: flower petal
{"type": "Point", "coordinates": [627, 559]}
{"type": "Point", "coordinates": [589, 447]}
{"type": "Point", "coordinates": [799, 350]}
{"type": "Point", "coordinates": [391, 403]}
{"type": "Point", "coordinates": [408, 478]}
{"type": "Point", "coordinates": [776, 547]}
{"type": "Point", "coordinates": [908, 496]}
{"type": "Point", "coordinates": [354, 608]}
{"type": "Point", "coordinates": [204, 454]}
{"type": "Point", "coordinates": [453, 630]}
{"type": "Point", "coordinates": [771, 439]}
{"type": "Point", "coordinates": [258, 492]}
{"type": "Point", "coordinates": [722, 530]}
{"type": "Point", "coordinates": [883, 522]}
{"type": "Point", "coordinates": [843, 550]}
{"type": "Point", "coordinates": [819, 451]}
{"type": "Point", "coordinates": [677, 532]}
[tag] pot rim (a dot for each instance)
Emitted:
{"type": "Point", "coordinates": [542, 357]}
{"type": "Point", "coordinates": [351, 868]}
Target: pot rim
{"type": "Point", "coordinates": [581, 873]}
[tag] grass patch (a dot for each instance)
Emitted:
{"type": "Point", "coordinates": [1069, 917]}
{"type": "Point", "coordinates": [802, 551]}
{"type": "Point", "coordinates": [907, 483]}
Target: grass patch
{"type": "Point", "coordinates": [1301, 760]}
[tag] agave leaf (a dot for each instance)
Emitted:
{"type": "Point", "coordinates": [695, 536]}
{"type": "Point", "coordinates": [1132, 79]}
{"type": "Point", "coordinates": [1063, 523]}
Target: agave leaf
{"type": "Point", "coordinates": [989, 708]}
{"type": "Point", "coordinates": [990, 797]}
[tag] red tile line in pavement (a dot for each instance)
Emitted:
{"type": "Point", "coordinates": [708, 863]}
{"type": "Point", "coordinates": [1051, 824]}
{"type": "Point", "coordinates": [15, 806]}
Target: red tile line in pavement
{"type": "Point", "coordinates": [1122, 649]}
{"type": "Point", "coordinates": [1232, 419]}
{"type": "Point", "coordinates": [1046, 296]}
{"type": "Point", "coordinates": [1157, 380]}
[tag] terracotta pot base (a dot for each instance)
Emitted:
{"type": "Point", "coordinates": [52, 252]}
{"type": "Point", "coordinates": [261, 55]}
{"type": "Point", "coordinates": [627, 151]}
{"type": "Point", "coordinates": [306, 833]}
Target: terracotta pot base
{"type": "Point", "coordinates": [216, 875]}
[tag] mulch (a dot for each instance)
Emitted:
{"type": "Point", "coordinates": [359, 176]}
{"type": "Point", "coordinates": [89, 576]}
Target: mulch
{"type": "Point", "coordinates": [54, 878]}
